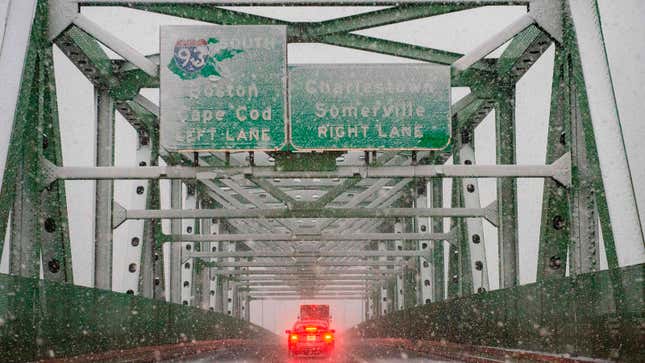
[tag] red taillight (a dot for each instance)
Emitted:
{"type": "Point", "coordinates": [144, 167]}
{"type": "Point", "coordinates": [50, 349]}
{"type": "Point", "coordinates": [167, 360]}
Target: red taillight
{"type": "Point", "coordinates": [294, 337]}
{"type": "Point", "coordinates": [311, 329]}
{"type": "Point", "coordinates": [328, 337]}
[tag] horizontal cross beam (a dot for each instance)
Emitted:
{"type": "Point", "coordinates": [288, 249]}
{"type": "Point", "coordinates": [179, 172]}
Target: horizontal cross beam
{"type": "Point", "coordinates": [318, 237]}
{"type": "Point", "coordinates": [303, 273]}
{"type": "Point", "coordinates": [560, 170]}
{"type": "Point", "coordinates": [300, 289]}
{"type": "Point", "coordinates": [268, 294]}
{"type": "Point", "coordinates": [314, 254]}
{"type": "Point", "coordinates": [305, 294]}
{"type": "Point", "coordinates": [312, 264]}
{"type": "Point", "coordinates": [120, 214]}
{"type": "Point", "coordinates": [298, 2]}
{"type": "Point", "coordinates": [313, 278]}
{"type": "Point", "coordinates": [317, 297]}
{"type": "Point", "coordinates": [307, 283]}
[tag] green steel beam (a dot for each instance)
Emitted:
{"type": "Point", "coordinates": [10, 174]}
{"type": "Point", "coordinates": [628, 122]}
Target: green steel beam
{"type": "Point", "coordinates": [130, 82]}
{"type": "Point", "coordinates": [299, 2]}
{"type": "Point", "coordinates": [362, 42]}
{"type": "Point", "coordinates": [127, 84]}
{"type": "Point", "coordinates": [474, 113]}
{"type": "Point", "coordinates": [104, 138]}
{"type": "Point", "coordinates": [398, 49]}
{"type": "Point", "coordinates": [555, 229]}
{"type": "Point", "coordinates": [598, 112]}
{"type": "Point", "coordinates": [437, 248]}
{"type": "Point", "coordinates": [56, 249]}
{"type": "Point", "coordinates": [330, 32]}
{"type": "Point", "coordinates": [23, 169]}
{"type": "Point", "coordinates": [569, 216]}
{"type": "Point", "coordinates": [207, 13]}
{"type": "Point", "coordinates": [410, 287]}
{"type": "Point", "coordinates": [336, 31]}
{"type": "Point", "coordinates": [589, 194]}
{"type": "Point", "coordinates": [26, 228]}
{"type": "Point", "coordinates": [455, 275]}
{"type": "Point", "coordinates": [397, 14]}
{"type": "Point", "coordinates": [466, 136]}
{"type": "Point", "coordinates": [27, 100]}
{"type": "Point", "coordinates": [522, 52]}
{"type": "Point", "coordinates": [88, 56]}
{"type": "Point", "coordinates": [151, 275]}
{"type": "Point", "coordinates": [39, 219]}
{"type": "Point", "coordinates": [508, 243]}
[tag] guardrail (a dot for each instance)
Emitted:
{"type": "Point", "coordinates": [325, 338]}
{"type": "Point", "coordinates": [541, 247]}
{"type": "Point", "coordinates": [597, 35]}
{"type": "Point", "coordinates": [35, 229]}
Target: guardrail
{"type": "Point", "coordinates": [597, 315]}
{"type": "Point", "coordinates": [42, 319]}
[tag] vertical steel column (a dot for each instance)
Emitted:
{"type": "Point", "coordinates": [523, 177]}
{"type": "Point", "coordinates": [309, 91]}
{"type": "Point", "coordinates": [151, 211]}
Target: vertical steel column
{"type": "Point", "coordinates": [235, 296]}
{"type": "Point", "coordinates": [227, 307]}
{"type": "Point", "coordinates": [241, 298]}
{"type": "Point", "coordinates": [147, 276]}
{"type": "Point", "coordinates": [425, 268]}
{"type": "Point", "coordinates": [474, 232]}
{"type": "Point", "coordinates": [188, 227]}
{"type": "Point", "coordinates": [246, 307]}
{"type": "Point", "coordinates": [399, 286]}
{"type": "Point", "coordinates": [230, 286]}
{"type": "Point", "coordinates": [139, 200]}
{"type": "Point", "coordinates": [384, 300]}
{"type": "Point", "coordinates": [17, 104]}
{"type": "Point", "coordinates": [174, 284]}
{"type": "Point", "coordinates": [467, 263]}
{"type": "Point", "coordinates": [212, 284]}
{"type": "Point", "coordinates": [366, 308]}
{"type": "Point", "coordinates": [473, 252]}
{"type": "Point", "coordinates": [410, 276]}
{"type": "Point", "coordinates": [437, 247]}
{"type": "Point", "coordinates": [24, 254]}
{"type": "Point", "coordinates": [455, 274]}
{"type": "Point", "coordinates": [104, 191]}
{"type": "Point", "coordinates": [598, 104]}
{"type": "Point", "coordinates": [506, 187]}
{"type": "Point", "coordinates": [217, 282]}
{"type": "Point", "coordinates": [39, 219]}
{"type": "Point", "coordinates": [375, 294]}
{"type": "Point", "coordinates": [204, 291]}
{"type": "Point", "coordinates": [151, 277]}
{"type": "Point", "coordinates": [555, 227]}
{"type": "Point", "coordinates": [55, 242]}
{"type": "Point", "coordinates": [585, 243]}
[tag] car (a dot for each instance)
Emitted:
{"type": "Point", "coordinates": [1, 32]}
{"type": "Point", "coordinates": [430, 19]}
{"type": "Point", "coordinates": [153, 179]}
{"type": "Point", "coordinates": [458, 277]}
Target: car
{"type": "Point", "coordinates": [311, 337]}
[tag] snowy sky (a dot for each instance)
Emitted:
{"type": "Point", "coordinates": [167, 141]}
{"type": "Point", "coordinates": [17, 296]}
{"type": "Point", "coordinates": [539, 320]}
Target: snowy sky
{"type": "Point", "coordinates": [624, 33]}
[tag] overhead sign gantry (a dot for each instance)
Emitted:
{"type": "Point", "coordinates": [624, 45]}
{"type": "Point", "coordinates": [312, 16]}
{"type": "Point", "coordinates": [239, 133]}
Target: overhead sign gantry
{"type": "Point", "coordinates": [224, 88]}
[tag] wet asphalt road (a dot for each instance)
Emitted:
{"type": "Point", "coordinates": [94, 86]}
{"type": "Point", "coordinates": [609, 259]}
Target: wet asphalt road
{"type": "Point", "coordinates": [358, 352]}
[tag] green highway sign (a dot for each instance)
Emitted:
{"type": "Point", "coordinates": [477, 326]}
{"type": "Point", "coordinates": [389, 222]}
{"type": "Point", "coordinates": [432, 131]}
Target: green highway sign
{"type": "Point", "coordinates": [369, 107]}
{"type": "Point", "coordinates": [223, 88]}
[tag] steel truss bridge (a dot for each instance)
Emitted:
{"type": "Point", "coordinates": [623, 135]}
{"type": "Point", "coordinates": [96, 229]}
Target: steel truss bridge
{"type": "Point", "coordinates": [361, 225]}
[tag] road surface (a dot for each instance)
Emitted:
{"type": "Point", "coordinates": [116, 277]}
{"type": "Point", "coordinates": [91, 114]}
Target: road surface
{"type": "Point", "coordinates": [354, 352]}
